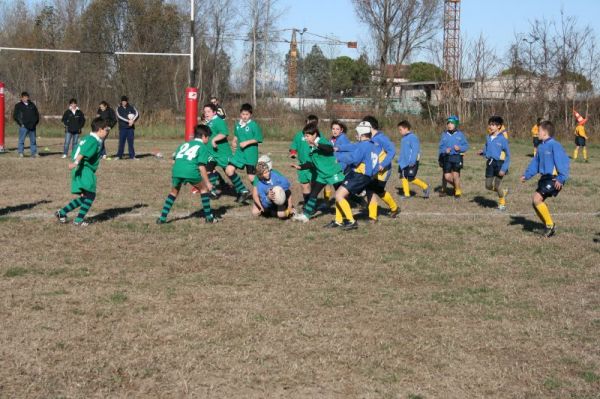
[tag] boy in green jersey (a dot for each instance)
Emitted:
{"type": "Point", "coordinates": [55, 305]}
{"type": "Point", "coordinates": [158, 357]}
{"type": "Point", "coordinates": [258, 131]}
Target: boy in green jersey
{"type": "Point", "coordinates": [220, 152]}
{"type": "Point", "coordinates": [248, 136]}
{"type": "Point", "coordinates": [323, 163]}
{"type": "Point", "coordinates": [189, 167]}
{"type": "Point", "coordinates": [300, 150]}
{"type": "Point", "coordinates": [85, 162]}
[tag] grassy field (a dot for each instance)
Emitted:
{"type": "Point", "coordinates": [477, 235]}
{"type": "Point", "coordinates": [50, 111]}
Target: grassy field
{"type": "Point", "coordinates": [450, 300]}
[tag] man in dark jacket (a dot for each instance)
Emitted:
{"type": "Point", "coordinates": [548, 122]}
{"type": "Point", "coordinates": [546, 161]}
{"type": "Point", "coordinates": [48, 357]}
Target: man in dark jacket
{"type": "Point", "coordinates": [74, 120]}
{"type": "Point", "coordinates": [220, 110]}
{"type": "Point", "coordinates": [127, 116]}
{"type": "Point", "coordinates": [27, 117]}
{"type": "Point", "coordinates": [108, 114]}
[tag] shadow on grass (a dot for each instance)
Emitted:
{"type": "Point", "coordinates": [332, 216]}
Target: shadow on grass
{"type": "Point", "coordinates": [484, 202]}
{"type": "Point", "coordinates": [528, 225]}
{"type": "Point", "coordinates": [218, 212]}
{"type": "Point", "coordinates": [597, 239]}
{"type": "Point", "coordinates": [49, 153]}
{"type": "Point", "coordinates": [113, 213]}
{"type": "Point", "coordinates": [21, 207]}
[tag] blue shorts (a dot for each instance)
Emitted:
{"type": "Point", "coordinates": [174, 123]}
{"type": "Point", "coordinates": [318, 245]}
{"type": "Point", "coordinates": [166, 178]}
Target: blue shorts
{"type": "Point", "coordinates": [452, 163]}
{"type": "Point", "coordinates": [409, 172]}
{"type": "Point", "coordinates": [356, 183]}
{"type": "Point", "coordinates": [546, 187]}
{"type": "Point", "coordinates": [493, 167]}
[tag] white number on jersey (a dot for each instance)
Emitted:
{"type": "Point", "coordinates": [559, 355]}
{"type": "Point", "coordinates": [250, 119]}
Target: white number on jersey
{"type": "Point", "coordinates": [188, 152]}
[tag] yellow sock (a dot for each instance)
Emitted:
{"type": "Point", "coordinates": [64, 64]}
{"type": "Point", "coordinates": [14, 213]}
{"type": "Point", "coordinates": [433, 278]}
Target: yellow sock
{"type": "Point", "coordinates": [343, 207]}
{"type": "Point", "coordinates": [420, 183]}
{"type": "Point", "coordinates": [534, 151]}
{"type": "Point", "coordinates": [575, 152]}
{"type": "Point", "coordinates": [327, 194]}
{"type": "Point", "coordinates": [339, 216]}
{"type": "Point", "coordinates": [584, 150]}
{"type": "Point", "coordinates": [457, 191]}
{"type": "Point", "coordinates": [373, 209]}
{"type": "Point", "coordinates": [502, 201]}
{"type": "Point", "coordinates": [544, 214]}
{"type": "Point", "coordinates": [389, 200]}
{"type": "Point", "coordinates": [406, 187]}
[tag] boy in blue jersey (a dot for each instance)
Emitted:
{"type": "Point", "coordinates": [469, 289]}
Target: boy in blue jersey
{"type": "Point", "coordinates": [453, 144]}
{"type": "Point", "coordinates": [263, 196]}
{"type": "Point", "coordinates": [408, 162]}
{"type": "Point", "coordinates": [387, 152]}
{"type": "Point", "coordinates": [550, 161]}
{"type": "Point", "coordinates": [497, 154]}
{"type": "Point", "coordinates": [363, 164]}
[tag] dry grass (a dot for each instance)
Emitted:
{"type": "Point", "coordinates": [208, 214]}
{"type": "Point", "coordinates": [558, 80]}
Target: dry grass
{"type": "Point", "coordinates": [452, 300]}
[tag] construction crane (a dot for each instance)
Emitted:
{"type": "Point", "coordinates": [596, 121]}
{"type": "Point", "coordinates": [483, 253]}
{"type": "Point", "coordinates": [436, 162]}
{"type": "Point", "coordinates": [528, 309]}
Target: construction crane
{"type": "Point", "coordinates": [293, 54]}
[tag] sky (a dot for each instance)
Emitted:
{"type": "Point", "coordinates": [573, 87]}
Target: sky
{"type": "Point", "coordinates": [499, 20]}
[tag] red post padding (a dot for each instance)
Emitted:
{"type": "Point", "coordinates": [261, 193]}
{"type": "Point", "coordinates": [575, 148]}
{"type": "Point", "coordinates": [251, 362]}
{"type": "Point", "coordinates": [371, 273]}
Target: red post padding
{"type": "Point", "coordinates": [2, 121]}
{"type": "Point", "coordinates": [191, 112]}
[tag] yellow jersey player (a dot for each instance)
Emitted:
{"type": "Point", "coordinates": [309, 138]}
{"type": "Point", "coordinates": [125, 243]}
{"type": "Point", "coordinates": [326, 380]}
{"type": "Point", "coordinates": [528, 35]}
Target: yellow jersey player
{"type": "Point", "coordinates": [534, 135]}
{"type": "Point", "coordinates": [580, 137]}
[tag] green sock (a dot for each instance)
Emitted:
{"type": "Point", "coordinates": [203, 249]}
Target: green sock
{"type": "Point", "coordinates": [309, 206]}
{"type": "Point", "coordinates": [167, 206]}
{"type": "Point", "coordinates": [237, 183]}
{"type": "Point", "coordinates": [85, 207]}
{"type": "Point", "coordinates": [214, 179]}
{"type": "Point", "coordinates": [206, 206]}
{"type": "Point", "coordinates": [76, 203]}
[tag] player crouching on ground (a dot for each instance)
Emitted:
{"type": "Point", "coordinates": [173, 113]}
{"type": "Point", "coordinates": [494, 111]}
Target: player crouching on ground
{"type": "Point", "coordinates": [189, 167]}
{"type": "Point", "coordinates": [453, 144]}
{"type": "Point", "coordinates": [552, 162]}
{"type": "Point", "coordinates": [263, 193]}
{"type": "Point", "coordinates": [496, 147]}
{"type": "Point", "coordinates": [408, 162]}
{"type": "Point", "coordinates": [85, 162]}
{"type": "Point", "coordinates": [362, 159]}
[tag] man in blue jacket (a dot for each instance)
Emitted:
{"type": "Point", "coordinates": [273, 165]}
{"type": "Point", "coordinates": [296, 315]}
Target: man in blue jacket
{"type": "Point", "coordinates": [127, 116]}
{"type": "Point", "coordinates": [552, 162]}
{"type": "Point", "coordinates": [453, 144]}
{"type": "Point", "coordinates": [27, 117]}
{"type": "Point", "coordinates": [497, 159]}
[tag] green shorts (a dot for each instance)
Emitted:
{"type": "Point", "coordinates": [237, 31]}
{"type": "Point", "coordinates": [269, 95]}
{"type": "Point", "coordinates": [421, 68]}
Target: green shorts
{"type": "Point", "coordinates": [180, 181]}
{"type": "Point", "coordinates": [332, 180]}
{"type": "Point", "coordinates": [305, 176]}
{"type": "Point", "coordinates": [239, 160]}
{"type": "Point", "coordinates": [82, 180]}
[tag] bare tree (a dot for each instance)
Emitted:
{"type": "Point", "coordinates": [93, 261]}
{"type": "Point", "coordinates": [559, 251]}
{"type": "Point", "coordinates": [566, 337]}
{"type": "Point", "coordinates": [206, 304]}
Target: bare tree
{"type": "Point", "coordinates": [399, 27]}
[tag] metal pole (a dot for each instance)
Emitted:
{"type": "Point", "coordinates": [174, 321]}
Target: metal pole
{"type": "Point", "coordinates": [192, 77]}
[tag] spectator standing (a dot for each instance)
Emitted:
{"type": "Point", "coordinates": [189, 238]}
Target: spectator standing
{"type": "Point", "coordinates": [127, 116]}
{"type": "Point", "coordinates": [220, 111]}
{"type": "Point", "coordinates": [74, 120]}
{"type": "Point", "coordinates": [108, 114]}
{"type": "Point", "coordinates": [27, 117]}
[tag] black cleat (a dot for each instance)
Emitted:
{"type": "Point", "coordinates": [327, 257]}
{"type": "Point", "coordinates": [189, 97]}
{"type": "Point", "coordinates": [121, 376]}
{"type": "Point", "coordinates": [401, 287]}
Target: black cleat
{"type": "Point", "coordinates": [212, 220]}
{"type": "Point", "coordinates": [243, 197]}
{"type": "Point", "coordinates": [61, 218]}
{"type": "Point", "coordinates": [350, 226]}
{"type": "Point", "coordinates": [394, 214]}
{"type": "Point", "coordinates": [161, 221]}
{"type": "Point", "coordinates": [332, 225]}
{"type": "Point", "coordinates": [550, 231]}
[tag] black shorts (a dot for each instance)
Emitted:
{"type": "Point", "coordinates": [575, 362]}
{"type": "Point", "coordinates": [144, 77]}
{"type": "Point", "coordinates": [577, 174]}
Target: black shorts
{"type": "Point", "coordinates": [536, 142]}
{"type": "Point", "coordinates": [377, 187]}
{"type": "Point", "coordinates": [493, 167]}
{"type": "Point", "coordinates": [356, 183]}
{"type": "Point", "coordinates": [580, 141]}
{"type": "Point", "coordinates": [409, 172]}
{"type": "Point", "coordinates": [546, 187]}
{"type": "Point", "coordinates": [452, 163]}
{"type": "Point", "coordinates": [211, 166]}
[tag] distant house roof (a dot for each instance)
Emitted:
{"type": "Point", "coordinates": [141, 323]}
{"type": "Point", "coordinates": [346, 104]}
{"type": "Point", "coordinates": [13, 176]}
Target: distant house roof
{"type": "Point", "coordinates": [395, 71]}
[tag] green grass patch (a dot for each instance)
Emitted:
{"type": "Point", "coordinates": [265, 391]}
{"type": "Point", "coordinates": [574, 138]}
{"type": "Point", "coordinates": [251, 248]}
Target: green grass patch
{"type": "Point", "coordinates": [118, 298]}
{"type": "Point", "coordinates": [15, 272]}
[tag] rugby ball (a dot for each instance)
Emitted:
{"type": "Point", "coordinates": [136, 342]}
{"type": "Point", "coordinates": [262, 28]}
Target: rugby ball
{"type": "Point", "coordinates": [130, 116]}
{"type": "Point", "coordinates": [279, 194]}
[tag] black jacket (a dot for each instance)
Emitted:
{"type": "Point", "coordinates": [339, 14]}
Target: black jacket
{"type": "Point", "coordinates": [73, 122]}
{"type": "Point", "coordinates": [26, 115]}
{"type": "Point", "coordinates": [122, 113]}
{"type": "Point", "coordinates": [108, 115]}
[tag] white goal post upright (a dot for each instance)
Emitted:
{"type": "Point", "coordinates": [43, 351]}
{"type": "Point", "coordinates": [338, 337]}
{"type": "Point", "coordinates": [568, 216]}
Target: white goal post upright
{"type": "Point", "coordinates": [191, 92]}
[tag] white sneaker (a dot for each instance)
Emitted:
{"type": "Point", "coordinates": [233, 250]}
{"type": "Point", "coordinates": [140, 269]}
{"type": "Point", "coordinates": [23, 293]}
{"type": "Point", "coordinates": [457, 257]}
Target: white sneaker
{"type": "Point", "coordinates": [103, 156]}
{"type": "Point", "coordinates": [300, 218]}
{"type": "Point", "coordinates": [64, 156]}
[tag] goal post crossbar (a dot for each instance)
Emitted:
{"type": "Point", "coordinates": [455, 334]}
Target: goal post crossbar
{"type": "Point", "coordinates": [44, 50]}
